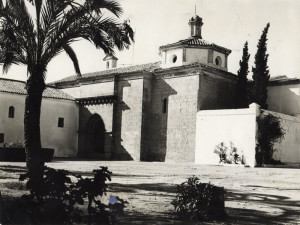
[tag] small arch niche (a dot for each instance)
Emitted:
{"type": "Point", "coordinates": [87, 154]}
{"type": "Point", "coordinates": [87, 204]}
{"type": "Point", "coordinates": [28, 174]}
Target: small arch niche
{"type": "Point", "coordinates": [11, 112]}
{"type": "Point", "coordinates": [218, 61]}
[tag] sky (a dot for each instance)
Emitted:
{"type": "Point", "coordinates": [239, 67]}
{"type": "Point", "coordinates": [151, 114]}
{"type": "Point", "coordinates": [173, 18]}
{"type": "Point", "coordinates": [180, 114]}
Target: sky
{"type": "Point", "coordinates": [229, 23]}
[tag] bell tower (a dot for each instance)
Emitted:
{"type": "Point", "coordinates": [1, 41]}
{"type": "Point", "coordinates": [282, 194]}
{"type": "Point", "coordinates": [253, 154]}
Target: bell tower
{"type": "Point", "coordinates": [194, 49]}
{"type": "Point", "coordinates": [196, 25]}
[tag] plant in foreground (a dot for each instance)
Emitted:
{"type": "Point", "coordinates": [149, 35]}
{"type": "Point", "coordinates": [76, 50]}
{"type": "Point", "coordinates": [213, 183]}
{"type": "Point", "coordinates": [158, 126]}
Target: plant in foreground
{"type": "Point", "coordinates": [56, 198]}
{"type": "Point", "coordinates": [198, 201]}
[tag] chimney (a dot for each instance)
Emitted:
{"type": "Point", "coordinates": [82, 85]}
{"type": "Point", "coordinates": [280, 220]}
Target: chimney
{"type": "Point", "coordinates": [111, 61]}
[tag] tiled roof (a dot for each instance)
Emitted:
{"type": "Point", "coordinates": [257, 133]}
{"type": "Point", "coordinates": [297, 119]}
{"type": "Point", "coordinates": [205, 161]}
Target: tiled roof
{"type": "Point", "coordinates": [195, 41]}
{"type": "Point", "coordinates": [18, 87]}
{"type": "Point", "coordinates": [196, 64]}
{"type": "Point", "coordinates": [121, 70]}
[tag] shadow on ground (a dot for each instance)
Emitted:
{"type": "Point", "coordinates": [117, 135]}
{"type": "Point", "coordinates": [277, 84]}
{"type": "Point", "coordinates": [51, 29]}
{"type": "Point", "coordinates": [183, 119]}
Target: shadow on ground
{"type": "Point", "coordinates": [262, 209]}
{"type": "Point", "coordinates": [245, 205]}
{"type": "Point", "coordinates": [13, 169]}
{"type": "Point", "coordinates": [157, 187]}
{"type": "Point", "coordinates": [249, 208]}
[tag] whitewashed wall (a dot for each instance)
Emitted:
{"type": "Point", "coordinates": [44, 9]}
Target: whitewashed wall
{"type": "Point", "coordinates": [167, 58]}
{"type": "Point", "coordinates": [91, 90]}
{"type": "Point", "coordinates": [239, 127]}
{"type": "Point", "coordinates": [64, 140]}
{"type": "Point", "coordinates": [234, 125]}
{"type": "Point", "coordinates": [12, 128]}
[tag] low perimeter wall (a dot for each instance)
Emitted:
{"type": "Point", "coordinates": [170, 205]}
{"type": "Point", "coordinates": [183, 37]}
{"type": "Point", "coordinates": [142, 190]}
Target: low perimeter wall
{"type": "Point", "coordinates": [238, 126]}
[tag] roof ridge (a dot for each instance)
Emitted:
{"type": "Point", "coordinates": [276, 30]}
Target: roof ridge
{"type": "Point", "coordinates": [118, 70]}
{"type": "Point", "coordinates": [194, 41]}
{"type": "Point", "coordinates": [9, 79]}
{"type": "Point", "coordinates": [18, 87]}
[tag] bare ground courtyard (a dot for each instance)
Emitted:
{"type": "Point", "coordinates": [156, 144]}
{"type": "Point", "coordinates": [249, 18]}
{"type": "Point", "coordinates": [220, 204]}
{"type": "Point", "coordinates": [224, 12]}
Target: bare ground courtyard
{"type": "Point", "coordinates": [254, 195]}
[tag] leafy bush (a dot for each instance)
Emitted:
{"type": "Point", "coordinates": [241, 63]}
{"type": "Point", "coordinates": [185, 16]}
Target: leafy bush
{"type": "Point", "coordinates": [55, 199]}
{"type": "Point", "coordinates": [198, 201]}
{"type": "Point", "coordinates": [229, 154]}
{"type": "Point", "coordinates": [270, 131]}
{"type": "Point", "coordinates": [93, 188]}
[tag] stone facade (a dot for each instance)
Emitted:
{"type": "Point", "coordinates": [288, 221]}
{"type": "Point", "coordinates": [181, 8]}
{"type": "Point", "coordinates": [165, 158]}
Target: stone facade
{"type": "Point", "coordinates": [148, 112]}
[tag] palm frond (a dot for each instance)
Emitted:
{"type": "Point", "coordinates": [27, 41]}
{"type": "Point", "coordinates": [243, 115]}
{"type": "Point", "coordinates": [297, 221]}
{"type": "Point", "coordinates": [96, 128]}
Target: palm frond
{"type": "Point", "coordinates": [68, 49]}
{"type": "Point", "coordinates": [59, 23]}
{"type": "Point", "coordinates": [110, 5]}
{"type": "Point", "coordinates": [18, 26]}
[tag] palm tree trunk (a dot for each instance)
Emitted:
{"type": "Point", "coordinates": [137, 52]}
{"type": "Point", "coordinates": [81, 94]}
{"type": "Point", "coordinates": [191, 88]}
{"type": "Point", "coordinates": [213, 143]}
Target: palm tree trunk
{"type": "Point", "coordinates": [32, 136]}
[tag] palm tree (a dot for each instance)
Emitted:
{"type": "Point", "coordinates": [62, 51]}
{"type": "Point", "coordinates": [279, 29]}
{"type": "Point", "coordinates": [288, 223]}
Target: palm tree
{"type": "Point", "coordinates": [34, 39]}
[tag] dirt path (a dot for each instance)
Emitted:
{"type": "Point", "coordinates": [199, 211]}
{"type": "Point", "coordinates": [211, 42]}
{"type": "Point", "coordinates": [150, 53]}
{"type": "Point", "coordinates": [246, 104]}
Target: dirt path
{"type": "Point", "coordinates": [254, 195]}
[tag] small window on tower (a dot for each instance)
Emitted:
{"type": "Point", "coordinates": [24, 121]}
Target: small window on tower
{"type": "Point", "coordinates": [174, 59]}
{"type": "Point", "coordinates": [165, 105]}
{"type": "Point", "coordinates": [60, 122]}
{"type": "Point", "coordinates": [107, 65]}
{"type": "Point", "coordinates": [11, 112]}
{"type": "Point", "coordinates": [218, 61]}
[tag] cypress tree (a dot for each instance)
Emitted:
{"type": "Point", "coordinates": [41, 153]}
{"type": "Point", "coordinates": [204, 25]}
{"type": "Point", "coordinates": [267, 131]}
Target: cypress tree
{"type": "Point", "coordinates": [260, 71]}
{"type": "Point", "coordinates": [241, 94]}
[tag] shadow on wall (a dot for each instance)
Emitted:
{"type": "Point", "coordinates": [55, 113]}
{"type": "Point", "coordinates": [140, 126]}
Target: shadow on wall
{"type": "Point", "coordinates": [285, 99]}
{"type": "Point", "coordinates": [155, 143]}
{"type": "Point", "coordinates": [94, 141]}
{"type": "Point", "coordinates": [122, 154]}
{"type": "Point", "coordinates": [215, 94]}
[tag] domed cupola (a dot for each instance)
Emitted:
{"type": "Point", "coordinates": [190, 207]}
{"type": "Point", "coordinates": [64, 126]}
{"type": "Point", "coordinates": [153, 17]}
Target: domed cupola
{"type": "Point", "coordinates": [194, 50]}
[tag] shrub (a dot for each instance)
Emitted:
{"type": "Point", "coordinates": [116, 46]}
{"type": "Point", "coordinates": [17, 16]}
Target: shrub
{"type": "Point", "coordinates": [198, 201]}
{"type": "Point", "coordinates": [55, 199]}
{"type": "Point", "coordinates": [229, 155]}
{"type": "Point", "coordinates": [270, 131]}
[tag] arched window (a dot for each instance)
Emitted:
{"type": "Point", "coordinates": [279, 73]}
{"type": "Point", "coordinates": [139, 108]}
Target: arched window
{"type": "Point", "coordinates": [11, 112]}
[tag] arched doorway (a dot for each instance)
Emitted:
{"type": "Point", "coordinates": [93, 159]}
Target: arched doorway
{"type": "Point", "coordinates": [95, 135]}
